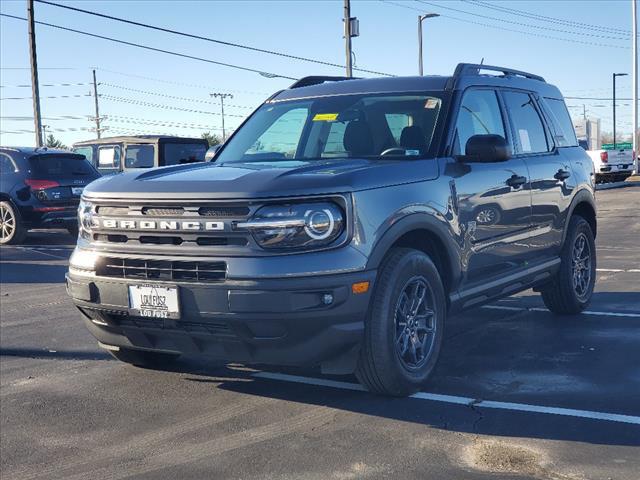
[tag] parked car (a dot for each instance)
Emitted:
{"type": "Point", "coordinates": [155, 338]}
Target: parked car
{"type": "Point", "coordinates": [341, 224]}
{"type": "Point", "coordinates": [117, 154]}
{"type": "Point", "coordinates": [612, 165]}
{"type": "Point", "coordinates": [40, 188]}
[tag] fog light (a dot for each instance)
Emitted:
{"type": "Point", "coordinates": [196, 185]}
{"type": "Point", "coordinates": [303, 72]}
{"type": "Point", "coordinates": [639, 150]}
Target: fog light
{"type": "Point", "coordinates": [83, 260]}
{"type": "Point", "coordinates": [360, 287]}
{"type": "Point", "coordinates": [327, 299]}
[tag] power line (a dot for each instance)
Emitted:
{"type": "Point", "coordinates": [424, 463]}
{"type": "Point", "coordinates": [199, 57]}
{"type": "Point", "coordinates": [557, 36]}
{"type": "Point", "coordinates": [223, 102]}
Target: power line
{"type": "Point", "coordinates": [159, 105]}
{"type": "Point", "coordinates": [549, 37]}
{"type": "Point", "coordinates": [28, 85]}
{"type": "Point", "coordinates": [438, 5]}
{"type": "Point", "coordinates": [154, 49]}
{"type": "Point", "coordinates": [50, 96]}
{"type": "Point", "coordinates": [597, 98]}
{"type": "Point", "coordinates": [543, 18]}
{"type": "Point", "coordinates": [208, 39]}
{"type": "Point", "coordinates": [186, 99]}
{"type": "Point", "coordinates": [183, 84]}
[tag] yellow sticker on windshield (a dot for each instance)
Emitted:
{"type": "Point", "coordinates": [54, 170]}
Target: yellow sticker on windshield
{"type": "Point", "coordinates": [325, 117]}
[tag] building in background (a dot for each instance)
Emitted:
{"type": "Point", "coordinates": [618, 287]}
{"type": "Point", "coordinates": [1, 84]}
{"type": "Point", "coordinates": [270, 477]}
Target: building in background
{"type": "Point", "coordinates": [588, 128]}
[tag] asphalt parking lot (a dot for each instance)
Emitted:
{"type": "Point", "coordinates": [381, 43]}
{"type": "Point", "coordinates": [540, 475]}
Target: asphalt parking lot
{"type": "Point", "coordinates": [518, 392]}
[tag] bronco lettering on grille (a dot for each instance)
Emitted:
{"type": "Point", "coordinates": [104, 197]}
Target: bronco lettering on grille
{"type": "Point", "coordinates": [164, 225]}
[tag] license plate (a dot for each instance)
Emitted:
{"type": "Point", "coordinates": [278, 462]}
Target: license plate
{"type": "Point", "coordinates": [77, 191]}
{"type": "Point", "coordinates": [154, 301]}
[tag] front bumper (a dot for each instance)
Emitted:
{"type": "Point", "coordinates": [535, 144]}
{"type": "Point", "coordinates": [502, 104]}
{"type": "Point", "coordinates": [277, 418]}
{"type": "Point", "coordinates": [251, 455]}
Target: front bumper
{"type": "Point", "coordinates": [278, 321]}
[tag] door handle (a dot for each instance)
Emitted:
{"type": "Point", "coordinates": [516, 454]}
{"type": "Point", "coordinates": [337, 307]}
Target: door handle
{"type": "Point", "coordinates": [516, 181]}
{"type": "Point", "coordinates": [562, 174]}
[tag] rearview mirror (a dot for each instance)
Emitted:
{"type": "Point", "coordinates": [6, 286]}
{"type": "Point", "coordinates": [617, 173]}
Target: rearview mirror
{"type": "Point", "coordinates": [487, 148]}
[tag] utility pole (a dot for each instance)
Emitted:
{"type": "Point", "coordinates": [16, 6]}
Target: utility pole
{"type": "Point", "coordinates": [421, 18]}
{"type": "Point", "coordinates": [614, 105]}
{"type": "Point", "coordinates": [634, 50]}
{"type": "Point", "coordinates": [222, 96]}
{"type": "Point", "coordinates": [35, 90]}
{"type": "Point", "coordinates": [95, 97]}
{"type": "Point", "coordinates": [347, 36]}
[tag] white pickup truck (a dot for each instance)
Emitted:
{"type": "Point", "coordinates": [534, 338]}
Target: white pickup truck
{"type": "Point", "coordinates": [611, 165]}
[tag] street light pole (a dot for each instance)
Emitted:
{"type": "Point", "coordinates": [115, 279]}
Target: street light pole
{"type": "Point", "coordinates": [222, 96]}
{"type": "Point", "coordinates": [634, 50]}
{"type": "Point", "coordinates": [614, 105]}
{"type": "Point", "coordinates": [420, 19]}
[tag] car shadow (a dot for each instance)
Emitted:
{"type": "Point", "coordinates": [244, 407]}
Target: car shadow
{"type": "Point", "coordinates": [54, 354]}
{"type": "Point", "coordinates": [28, 272]}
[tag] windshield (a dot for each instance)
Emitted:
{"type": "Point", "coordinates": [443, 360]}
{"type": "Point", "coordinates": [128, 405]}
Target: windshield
{"type": "Point", "coordinates": [177, 153]}
{"type": "Point", "coordinates": [47, 166]}
{"type": "Point", "coordinates": [364, 126]}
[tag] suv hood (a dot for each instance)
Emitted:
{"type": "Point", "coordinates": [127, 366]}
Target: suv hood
{"type": "Point", "coordinates": [262, 179]}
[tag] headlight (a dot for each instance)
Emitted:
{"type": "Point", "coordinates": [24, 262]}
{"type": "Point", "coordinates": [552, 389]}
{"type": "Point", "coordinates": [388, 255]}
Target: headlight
{"type": "Point", "coordinates": [86, 221]}
{"type": "Point", "coordinates": [296, 226]}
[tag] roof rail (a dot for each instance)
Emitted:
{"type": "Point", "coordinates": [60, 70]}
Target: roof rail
{"type": "Point", "coordinates": [474, 69]}
{"type": "Point", "coordinates": [316, 80]}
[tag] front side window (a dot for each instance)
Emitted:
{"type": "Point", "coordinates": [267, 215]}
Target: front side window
{"type": "Point", "coordinates": [373, 126]}
{"type": "Point", "coordinates": [109, 157]}
{"type": "Point", "coordinates": [139, 156]}
{"type": "Point", "coordinates": [178, 153]}
{"type": "Point", "coordinates": [530, 136]}
{"type": "Point", "coordinates": [479, 114]}
{"type": "Point", "coordinates": [565, 133]}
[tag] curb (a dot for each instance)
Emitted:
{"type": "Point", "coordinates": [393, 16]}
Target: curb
{"type": "Point", "coordinates": [623, 184]}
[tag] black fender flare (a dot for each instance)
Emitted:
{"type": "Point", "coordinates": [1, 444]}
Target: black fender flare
{"type": "Point", "coordinates": [582, 196]}
{"type": "Point", "coordinates": [420, 221]}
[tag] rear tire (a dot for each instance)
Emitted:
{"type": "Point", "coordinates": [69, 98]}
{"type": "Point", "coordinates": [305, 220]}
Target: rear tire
{"type": "Point", "coordinates": [144, 358]}
{"type": "Point", "coordinates": [12, 229]}
{"type": "Point", "coordinates": [572, 287]}
{"type": "Point", "coordinates": [404, 328]}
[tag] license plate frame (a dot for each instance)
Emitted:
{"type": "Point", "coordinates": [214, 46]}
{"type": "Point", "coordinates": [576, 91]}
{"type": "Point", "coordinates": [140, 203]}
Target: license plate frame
{"type": "Point", "coordinates": [154, 301]}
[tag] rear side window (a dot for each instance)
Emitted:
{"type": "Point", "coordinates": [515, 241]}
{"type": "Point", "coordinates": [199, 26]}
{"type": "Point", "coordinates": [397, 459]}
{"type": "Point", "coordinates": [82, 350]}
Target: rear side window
{"type": "Point", "coordinates": [45, 166]}
{"type": "Point", "coordinates": [177, 153]}
{"type": "Point", "coordinates": [529, 133]}
{"type": "Point", "coordinates": [565, 134]}
{"type": "Point", "coordinates": [139, 156]}
{"type": "Point", "coordinates": [479, 115]}
{"type": "Point", "coordinates": [109, 157]}
{"type": "Point", "coordinates": [6, 165]}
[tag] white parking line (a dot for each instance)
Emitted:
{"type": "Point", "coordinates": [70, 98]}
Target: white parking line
{"type": "Point", "coordinates": [434, 397]}
{"type": "Point", "coordinates": [540, 309]}
{"type": "Point", "coordinates": [610, 270]}
{"type": "Point", "coordinates": [41, 252]}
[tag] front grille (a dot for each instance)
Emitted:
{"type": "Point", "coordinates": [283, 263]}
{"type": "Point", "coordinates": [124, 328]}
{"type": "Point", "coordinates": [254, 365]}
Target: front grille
{"type": "Point", "coordinates": [163, 211]}
{"type": "Point", "coordinates": [168, 270]}
{"type": "Point", "coordinates": [211, 328]}
{"type": "Point", "coordinates": [164, 227]}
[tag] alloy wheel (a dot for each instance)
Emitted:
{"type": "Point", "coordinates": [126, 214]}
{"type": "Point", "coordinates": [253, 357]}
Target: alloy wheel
{"type": "Point", "coordinates": [7, 223]}
{"type": "Point", "coordinates": [415, 325]}
{"type": "Point", "coordinates": [581, 265]}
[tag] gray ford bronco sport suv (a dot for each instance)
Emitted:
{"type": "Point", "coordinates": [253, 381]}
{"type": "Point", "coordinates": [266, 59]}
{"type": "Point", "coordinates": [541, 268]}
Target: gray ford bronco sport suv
{"type": "Point", "coordinates": [341, 224]}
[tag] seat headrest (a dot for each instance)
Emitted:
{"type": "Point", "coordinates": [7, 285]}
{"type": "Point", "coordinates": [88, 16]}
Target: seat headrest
{"type": "Point", "coordinates": [358, 139]}
{"type": "Point", "coordinates": [412, 138]}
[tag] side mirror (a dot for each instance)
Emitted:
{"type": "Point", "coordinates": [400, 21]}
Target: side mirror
{"type": "Point", "coordinates": [210, 156]}
{"type": "Point", "coordinates": [487, 148]}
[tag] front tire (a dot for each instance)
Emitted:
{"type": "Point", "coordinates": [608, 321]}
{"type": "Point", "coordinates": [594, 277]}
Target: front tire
{"type": "Point", "coordinates": [144, 358]}
{"type": "Point", "coordinates": [12, 229]}
{"type": "Point", "coordinates": [404, 328]}
{"type": "Point", "coordinates": [571, 290]}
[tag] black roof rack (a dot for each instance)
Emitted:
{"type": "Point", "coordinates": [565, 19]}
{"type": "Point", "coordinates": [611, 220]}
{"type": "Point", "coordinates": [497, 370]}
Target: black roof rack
{"type": "Point", "coordinates": [317, 79]}
{"type": "Point", "coordinates": [474, 69]}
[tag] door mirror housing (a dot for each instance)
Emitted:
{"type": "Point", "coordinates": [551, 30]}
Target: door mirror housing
{"type": "Point", "coordinates": [487, 148]}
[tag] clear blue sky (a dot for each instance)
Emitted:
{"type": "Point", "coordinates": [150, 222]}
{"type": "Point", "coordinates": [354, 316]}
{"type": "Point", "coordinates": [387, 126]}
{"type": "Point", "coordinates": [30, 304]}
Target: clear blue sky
{"type": "Point", "coordinates": [387, 43]}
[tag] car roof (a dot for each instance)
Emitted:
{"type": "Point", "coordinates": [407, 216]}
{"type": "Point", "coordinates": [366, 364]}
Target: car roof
{"type": "Point", "coordinates": [465, 75]}
{"type": "Point", "coordinates": [30, 151]}
{"type": "Point", "coordinates": [138, 139]}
